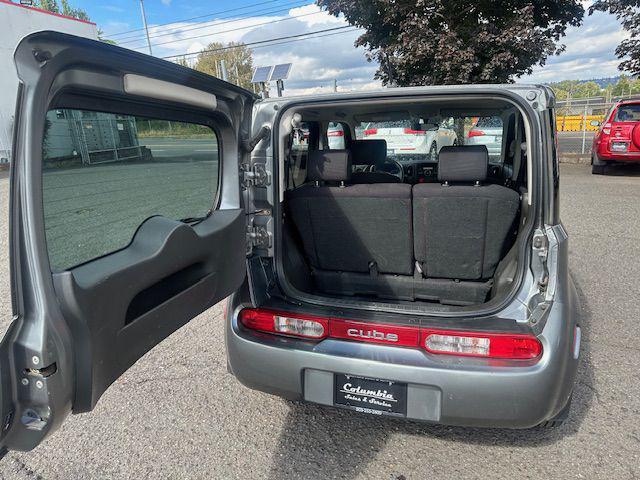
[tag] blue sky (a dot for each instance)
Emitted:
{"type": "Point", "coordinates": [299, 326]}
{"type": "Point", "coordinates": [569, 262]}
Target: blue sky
{"type": "Point", "coordinates": [589, 53]}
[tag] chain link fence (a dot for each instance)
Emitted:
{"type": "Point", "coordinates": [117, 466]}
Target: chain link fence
{"type": "Point", "coordinates": [576, 123]}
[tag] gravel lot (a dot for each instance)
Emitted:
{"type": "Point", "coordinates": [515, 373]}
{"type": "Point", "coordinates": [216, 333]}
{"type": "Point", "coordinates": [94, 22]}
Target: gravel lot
{"type": "Point", "coordinates": [178, 414]}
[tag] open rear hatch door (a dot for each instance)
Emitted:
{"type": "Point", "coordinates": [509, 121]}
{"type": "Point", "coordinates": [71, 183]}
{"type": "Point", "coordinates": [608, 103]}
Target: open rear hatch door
{"type": "Point", "coordinates": [79, 324]}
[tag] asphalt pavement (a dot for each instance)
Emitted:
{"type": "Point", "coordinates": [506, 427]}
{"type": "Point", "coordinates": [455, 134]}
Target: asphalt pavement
{"type": "Point", "coordinates": [178, 413]}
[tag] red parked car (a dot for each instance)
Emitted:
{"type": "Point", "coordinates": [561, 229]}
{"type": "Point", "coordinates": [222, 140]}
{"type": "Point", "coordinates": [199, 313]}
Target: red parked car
{"type": "Point", "coordinates": [618, 138]}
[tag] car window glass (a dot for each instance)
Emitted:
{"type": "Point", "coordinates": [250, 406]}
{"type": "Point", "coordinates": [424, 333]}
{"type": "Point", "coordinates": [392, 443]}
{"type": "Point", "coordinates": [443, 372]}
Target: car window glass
{"type": "Point", "coordinates": [104, 174]}
{"type": "Point", "coordinates": [300, 138]}
{"type": "Point", "coordinates": [485, 131]}
{"type": "Point", "coordinates": [628, 113]}
{"type": "Point", "coordinates": [335, 136]}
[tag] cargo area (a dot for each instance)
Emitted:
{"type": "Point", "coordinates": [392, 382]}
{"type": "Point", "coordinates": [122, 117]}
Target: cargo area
{"type": "Point", "coordinates": [419, 202]}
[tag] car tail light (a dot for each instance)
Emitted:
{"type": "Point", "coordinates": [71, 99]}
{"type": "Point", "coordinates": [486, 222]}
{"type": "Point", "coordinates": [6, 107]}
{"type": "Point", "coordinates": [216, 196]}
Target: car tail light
{"type": "Point", "coordinates": [370, 131]}
{"type": "Point", "coordinates": [448, 342]}
{"type": "Point", "coordinates": [488, 345]}
{"type": "Point", "coordinates": [303, 326]}
{"type": "Point", "coordinates": [475, 133]}
{"type": "Point", "coordinates": [411, 131]}
{"type": "Point", "coordinates": [606, 129]}
{"type": "Point", "coordinates": [335, 133]}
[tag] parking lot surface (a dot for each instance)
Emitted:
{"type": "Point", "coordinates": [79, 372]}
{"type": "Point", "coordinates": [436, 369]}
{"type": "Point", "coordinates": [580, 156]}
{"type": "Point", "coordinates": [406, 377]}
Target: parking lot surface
{"type": "Point", "coordinates": [178, 413]}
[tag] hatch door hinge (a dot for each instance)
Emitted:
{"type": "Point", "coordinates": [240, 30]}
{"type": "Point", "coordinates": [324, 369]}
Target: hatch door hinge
{"type": "Point", "coordinates": [255, 175]}
{"type": "Point", "coordinates": [257, 237]}
{"type": "Point", "coordinates": [540, 256]}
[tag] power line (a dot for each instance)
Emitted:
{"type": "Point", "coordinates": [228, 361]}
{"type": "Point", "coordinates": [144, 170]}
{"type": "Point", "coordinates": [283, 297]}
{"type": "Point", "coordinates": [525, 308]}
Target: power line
{"type": "Point", "coordinates": [261, 42]}
{"type": "Point", "coordinates": [232, 30]}
{"type": "Point", "coordinates": [206, 23]}
{"type": "Point", "coordinates": [302, 39]}
{"type": "Point", "coordinates": [195, 18]}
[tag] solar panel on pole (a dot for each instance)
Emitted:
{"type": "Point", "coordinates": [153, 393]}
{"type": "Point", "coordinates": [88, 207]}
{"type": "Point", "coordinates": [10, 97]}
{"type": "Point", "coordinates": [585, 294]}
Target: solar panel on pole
{"type": "Point", "coordinates": [281, 71]}
{"type": "Point", "coordinates": [262, 74]}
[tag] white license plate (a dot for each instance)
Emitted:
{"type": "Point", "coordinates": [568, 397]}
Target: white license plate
{"type": "Point", "coordinates": [619, 146]}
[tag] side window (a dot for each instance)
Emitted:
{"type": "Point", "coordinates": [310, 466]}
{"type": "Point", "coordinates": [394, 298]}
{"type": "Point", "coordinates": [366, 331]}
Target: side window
{"type": "Point", "coordinates": [335, 136]}
{"type": "Point", "coordinates": [104, 174]}
{"type": "Point", "coordinates": [485, 131]}
{"type": "Point", "coordinates": [300, 138]}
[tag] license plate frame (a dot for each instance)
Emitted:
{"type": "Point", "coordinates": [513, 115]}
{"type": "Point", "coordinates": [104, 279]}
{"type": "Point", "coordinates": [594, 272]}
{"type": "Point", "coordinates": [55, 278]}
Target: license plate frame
{"type": "Point", "coordinates": [370, 395]}
{"type": "Point", "coordinates": [619, 146]}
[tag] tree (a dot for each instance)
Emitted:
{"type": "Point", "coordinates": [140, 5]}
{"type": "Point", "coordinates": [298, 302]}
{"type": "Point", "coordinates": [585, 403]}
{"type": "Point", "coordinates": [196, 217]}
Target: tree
{"type": "Point", "coordinates": [67, 9]}
{"type": "Point", "coordinates": [238, 60]}
{"type": "Point", "coordinates": [457, 41]}
{"type": "Point", "coordinates": [628, 12]}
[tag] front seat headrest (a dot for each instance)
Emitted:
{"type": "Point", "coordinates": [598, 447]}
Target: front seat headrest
{"type": "Point", "coordinates": [463, 164]}
{"type": "Point", "coordinates": [329, 165]}
{"type": "Point", "coordinates": [369, 152]}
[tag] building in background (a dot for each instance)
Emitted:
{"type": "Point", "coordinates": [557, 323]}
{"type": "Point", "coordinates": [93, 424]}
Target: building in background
{"type": "Point", "coordinates": [18, 21]}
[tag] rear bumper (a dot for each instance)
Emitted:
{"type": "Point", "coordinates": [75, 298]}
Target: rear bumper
{"type": "Point", "coordinates": [441, 389]}
{"type": "Point", "coordinates": [607, 156]}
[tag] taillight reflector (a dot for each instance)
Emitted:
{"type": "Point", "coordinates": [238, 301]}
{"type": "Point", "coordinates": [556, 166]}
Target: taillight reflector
{"type": "Point", "coordinates": [475, 133]}
{"type": "Point", "coordinates": [370, 131]}
{"type": "Point", "coordinates": [474, 344]}
{"type": "Point", "coordinates": [374, 333]}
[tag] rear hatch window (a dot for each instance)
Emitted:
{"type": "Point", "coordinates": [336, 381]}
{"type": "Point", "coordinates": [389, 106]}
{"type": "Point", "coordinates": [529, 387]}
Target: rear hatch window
{"type": "Point", "coordinates": [628, 113]}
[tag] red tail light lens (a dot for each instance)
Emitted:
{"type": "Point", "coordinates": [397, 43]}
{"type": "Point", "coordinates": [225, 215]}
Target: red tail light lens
{"type": "Point", "coordinates": [370, 131]}
{"type": "Point", "coordinates": [475, 133]}
{"type": "Point", "coordinates": [606, 129]}
{"type": "Point", "coordinates": [374, 333]}
{"type": "Point", "coordinates": [302, 326]}
{"type": "Point", "coordinates": [410, 131]}
{"type": "Point", "coordinates": [446, 342]}
{"type": "Point", "coordinates": [474, 344]}
{"type": "Point", "coordinates": [335, 133]}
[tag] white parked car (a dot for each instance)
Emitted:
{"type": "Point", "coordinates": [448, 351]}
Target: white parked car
{"type": "Point", "coordinates": [487, 131]}
{"type": "Point", "coordinates": [405, 138]}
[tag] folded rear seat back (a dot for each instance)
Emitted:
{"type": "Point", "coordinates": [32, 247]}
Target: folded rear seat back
{"type": "Point", "coordinates": [462, 226]}
{"type": "Point", "coordinates": [363, 229]}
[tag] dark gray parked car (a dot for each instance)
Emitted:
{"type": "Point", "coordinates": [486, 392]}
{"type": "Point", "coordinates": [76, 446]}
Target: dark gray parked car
{"type": "Point", "coordinates": [143, 193]}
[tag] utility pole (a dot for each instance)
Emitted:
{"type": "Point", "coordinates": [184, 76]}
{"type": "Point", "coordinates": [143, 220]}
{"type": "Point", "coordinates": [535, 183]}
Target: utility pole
{"type": "Point", "coordinates": [335, 84]}
{"type": "Point", "coordinates": [223, 70]}
{"type": "Point", "coordinates": [144, 22]}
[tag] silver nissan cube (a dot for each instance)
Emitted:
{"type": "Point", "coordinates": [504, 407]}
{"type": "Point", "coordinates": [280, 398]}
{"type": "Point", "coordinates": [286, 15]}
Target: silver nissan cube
{"type": "Point", "coordinates": [430, 286]}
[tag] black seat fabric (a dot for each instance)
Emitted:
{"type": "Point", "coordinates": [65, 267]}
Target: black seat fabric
{"type": "Point", "coordinates": [370, 153]}
{"type": "Point", "coordinates": [352, 228]}
{"type": "Point", "coordinates": [462, 228]}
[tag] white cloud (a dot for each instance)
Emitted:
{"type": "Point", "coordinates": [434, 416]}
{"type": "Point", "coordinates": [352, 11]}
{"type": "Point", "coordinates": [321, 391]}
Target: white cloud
{"type": "Point", "coordinates": [166, 2]}
{"type": "Point", "coordinates": [318, 61]}
{"type": "Point", "coordinates": [590, 52]}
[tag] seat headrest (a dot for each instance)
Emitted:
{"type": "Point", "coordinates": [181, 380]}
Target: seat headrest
{"type": "Point", "coordinates": [329, 165]}
{"type": "Point", "coordinates": [463, 164]}
{"type": "Point", "coordinates": [369, 152]}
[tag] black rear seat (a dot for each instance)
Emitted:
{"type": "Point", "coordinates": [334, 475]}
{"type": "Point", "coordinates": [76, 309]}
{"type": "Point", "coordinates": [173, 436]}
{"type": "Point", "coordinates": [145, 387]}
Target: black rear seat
{"type": "Point", "coordinates": [352, 228]}
{"type": "Point", "coordinates": [372, 154]}
{"type": "Point", "coordinates": [362, 239]}
{"type": "Point", "coordinates": [462, 227]}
